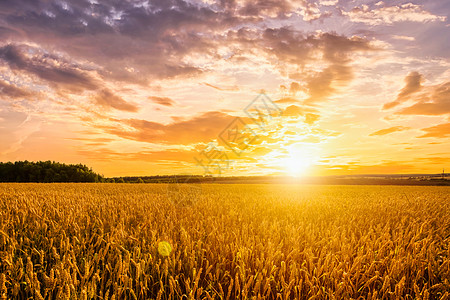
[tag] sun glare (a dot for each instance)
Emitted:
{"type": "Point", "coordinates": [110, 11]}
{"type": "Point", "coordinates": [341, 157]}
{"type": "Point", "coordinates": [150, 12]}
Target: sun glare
{"type": "Point", "coordinates": [298, 160]}
{"type": "Point", "coordinates": [296, 166]}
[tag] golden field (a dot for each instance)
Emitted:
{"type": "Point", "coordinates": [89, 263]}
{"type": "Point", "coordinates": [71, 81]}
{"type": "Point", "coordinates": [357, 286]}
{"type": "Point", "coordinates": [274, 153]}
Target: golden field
{"type": "Point", "coordinates": [100, 241]}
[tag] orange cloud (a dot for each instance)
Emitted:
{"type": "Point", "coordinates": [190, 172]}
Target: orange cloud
{"type": "Point", "coordinates": [438, 131]}
{"type": "Point", "coordinates": [310, 115]}
{"type": "Point", "coordinates": [429, 100]}
{"type": "Point", "coordinates": [202, 128]}
{"type": "Point", "coordinates": [166, 101]}
{"type": "Point", "coordinates": [287, 100]}
{"type": "Point", "coordinates": [389, 130]}
{"type": "Point", "coordinates": [413, 84]}
{"type": "Point", "coordinates": [436, 102]}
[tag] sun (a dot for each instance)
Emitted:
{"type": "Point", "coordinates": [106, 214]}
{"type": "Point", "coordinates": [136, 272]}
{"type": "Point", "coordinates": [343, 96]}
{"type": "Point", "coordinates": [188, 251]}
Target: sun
{"type": "Point", "coordinates": [296, 166]}
{"type": "Point", "coordinates": [298, 160]}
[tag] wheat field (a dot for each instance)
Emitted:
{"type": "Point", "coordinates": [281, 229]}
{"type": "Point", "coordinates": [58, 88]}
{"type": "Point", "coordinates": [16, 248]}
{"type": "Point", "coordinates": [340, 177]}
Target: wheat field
{"type": "Point", "coordinates": [156, 241]}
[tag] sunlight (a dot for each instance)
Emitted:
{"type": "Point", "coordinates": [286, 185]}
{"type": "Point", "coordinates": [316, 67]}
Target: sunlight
{"type": "Point", "coordinates": [296, 166]}
{"type": "Point", "coordinates": [298, 160]}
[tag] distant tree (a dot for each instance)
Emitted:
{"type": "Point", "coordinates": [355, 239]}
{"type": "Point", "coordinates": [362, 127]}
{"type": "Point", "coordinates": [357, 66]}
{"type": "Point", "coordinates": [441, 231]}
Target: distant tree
{"type": "Point", "coordinates": [46, 171]}
{"type": "Point", "coordinates": [140, 180]}
{"type": "Point", "coordinates": [120, 180]}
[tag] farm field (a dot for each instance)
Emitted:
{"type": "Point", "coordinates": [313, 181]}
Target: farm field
{"type": "Point", "coordinates": [236, 241]}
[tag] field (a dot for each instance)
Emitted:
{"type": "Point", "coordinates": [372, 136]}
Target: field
{"type": "Point", "coordinates": [100, 241]}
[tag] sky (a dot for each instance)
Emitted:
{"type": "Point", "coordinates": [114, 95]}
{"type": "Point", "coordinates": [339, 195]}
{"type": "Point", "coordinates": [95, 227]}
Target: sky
{"type": "Point", "coordinates": [227, 87]}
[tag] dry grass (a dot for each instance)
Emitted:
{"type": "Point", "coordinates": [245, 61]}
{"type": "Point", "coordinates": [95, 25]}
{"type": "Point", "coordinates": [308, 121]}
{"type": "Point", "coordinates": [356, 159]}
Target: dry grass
{"type": "Point", "coordinates": [99, 241]}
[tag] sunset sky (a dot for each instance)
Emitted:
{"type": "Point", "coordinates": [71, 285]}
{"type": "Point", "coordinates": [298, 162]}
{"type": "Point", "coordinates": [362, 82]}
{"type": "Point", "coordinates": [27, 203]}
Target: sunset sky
{"type": "Point", "coordinates": [152, 87]}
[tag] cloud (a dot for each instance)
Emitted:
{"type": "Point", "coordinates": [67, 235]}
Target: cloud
{"type": "Point", "coordinates": [292, 46]}
{"type": "Point", "coordinates": [428, 100]}
{"type": "Point", "coordinates": [15, 128]}
{"type": "Point", "coordinates": [12, 91]}
{"type": "Point", "coordinates": [328, 2]}
{"type": "Point", "coordinates": [438, 160]}
{"type": "Point", "coordinates": [104, 154]}
{"type": "Point", "coordinates": [202, 128]}
{"type": "Point", "coordinates": [137, 43]}
{"type": "Point", "coordinates": [152, 39]}
{"type": "Point", "coordinates": [166, 101]}
{"type": "Point", "coordinates": [287, 100]}
{"type": "Point", "coordinates": [311, 118]}
{"type": "Point", "coordinates": [295, 110]}
{"type": "Point", "coordinates": [289, 49]}
{"type": "Point", "coordinates": [389, 167]}
{"type": "Point", "coordinates": [294, 88]}
{"type": "Point", "coordinates": [324, 84]}
{"type": "Point", "coordinates": [403, 37]}
{"type": "Point", "coordinates": [281, 9]}
{"type": "Point", "coordinates": [392, 14]}
{"type": "Point", "coordinates": [259, 8]}
{"type": "Point", "coordinates": [106, 98]}
{"type": "Point", "coordinates": [413, 83]}
{"type": "Point", "coordinates": [228, 88]}
{"type": "Point", "coordinates": [78, 54]}
{"type": "Point", "coordinates": [389, 130]}
{"type": "Point", "coordinates": [438, 131]}
{"type": "Point", "coordinates": [54, 70]}
{"type": "Point", "coordinates": [310, 11]}
{"type": "Point", "coordinates": [310, 115]}
{"type": "Point", "coordinates": [435, 102]}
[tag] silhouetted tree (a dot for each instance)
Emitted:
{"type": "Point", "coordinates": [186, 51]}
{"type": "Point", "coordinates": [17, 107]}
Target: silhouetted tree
{"type": "Point", "coordinates": [46, 171]}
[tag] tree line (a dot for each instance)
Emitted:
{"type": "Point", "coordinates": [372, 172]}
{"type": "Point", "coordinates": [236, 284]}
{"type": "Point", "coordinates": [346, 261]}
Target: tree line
{"type": "Point", "coordinates": [47, 171]}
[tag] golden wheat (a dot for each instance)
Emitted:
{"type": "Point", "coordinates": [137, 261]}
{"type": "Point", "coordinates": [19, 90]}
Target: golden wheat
{"type": "Point", "coordinates": [100, 241]}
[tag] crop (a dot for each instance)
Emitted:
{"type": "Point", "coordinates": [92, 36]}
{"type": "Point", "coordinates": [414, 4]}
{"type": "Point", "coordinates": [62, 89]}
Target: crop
{"type": "Point", "coordinates": [133, 241]}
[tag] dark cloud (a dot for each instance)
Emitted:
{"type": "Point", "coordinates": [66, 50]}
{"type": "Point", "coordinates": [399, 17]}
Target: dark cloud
{"type": "Point", "coordinates": [54, 70]}
{"type": "Point", "coordinates": [295, 47]}
{"type": "Point", "coordinates": [139, 41]}
{"type": "Point", "coordinates": [260, 8]}
{"type": "Point", "coordinates": [287, 46]}
{"type": "Point", "coordinates": [438, 131]}
{"type": "Point", "coordinates": [6, 33]}
{"type": "Point", "coordinates": [12, 91]}
{"type": "Point", "coordinates": [389, 130]}
{"type": "Point", "coordinates": [150, 39]}
{"type": "Point", "coordinates": [106, 98]}
{"type": "Point", "coordinates": [166, 101]}
{"type": "Point", "coordinates": [413, 84]}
